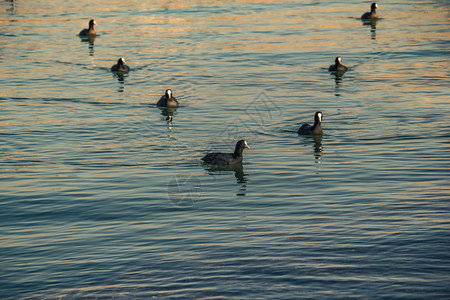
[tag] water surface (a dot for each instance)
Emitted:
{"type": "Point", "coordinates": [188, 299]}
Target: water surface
{"type": "Point", "coordinates": [103, 194]}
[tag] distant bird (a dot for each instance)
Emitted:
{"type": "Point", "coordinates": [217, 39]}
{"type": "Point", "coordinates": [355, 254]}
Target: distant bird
{"type": "Point", "coordinates": [167, 100]}
{"type": "Point", "coordinates": [89, 31]}
{"type": "Point", "coordinates": [307, 129]}
{"type": "Point", "coordinates": [120, 66]}
{"type": "Point", "coordinates": [338, 66]}
{"type": "Point", "coordinates": [372, 14]}
{"type": "Point", "coordinates": [227, 158]}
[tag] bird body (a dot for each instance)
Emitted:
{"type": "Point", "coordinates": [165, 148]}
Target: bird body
{"type": "Point", "coordinates": [89, 31]}
{"type": "Point", "coordinates": [338, 66]}
{"type": "Point", "coordinates": [372, 14]}
{"type": "Point", "coordinates": [218, 158]}
{"type": "Point", "coordinates": [120, 66]}
{"type": "Point", "coordinates": [315, 129]}
{"type": "Point", "coordinates": [167, 100]}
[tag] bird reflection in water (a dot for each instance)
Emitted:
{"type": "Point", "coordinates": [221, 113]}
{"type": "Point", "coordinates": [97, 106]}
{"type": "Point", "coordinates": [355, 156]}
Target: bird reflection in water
{"type": "Point", "coordinates": [318, 148]}
{"type": "Point", "coordinates": [373, 27]}
{"type": "Point", "coordinates": [90, 39]}
{"type": "Point", "coordinates": [121, 79]}
{"type": "Point", "coordinates": [338, 82]}
{"type": "Point", "coordinates": [13, 6]}
{"type": "Point", "coordinates": [168, 113]}
{"type": "Point", "coordinates": [238, 169]}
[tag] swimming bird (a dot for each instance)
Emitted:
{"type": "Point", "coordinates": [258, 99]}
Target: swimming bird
{"type": "Point", "coordinates": [120, 66]}
{"type": "Point", "coordinates": [90, 30]}
{"type": "Point", "coordinates": [227, 158]}
{"type": "Point", "coordinates": [167, 100]}
{"type": "Point", "coordinates": [338, 66]}
{"type": "Point", "coordinates": [315, 129]}
{"type": "Point", "coordinates": [372, 14]}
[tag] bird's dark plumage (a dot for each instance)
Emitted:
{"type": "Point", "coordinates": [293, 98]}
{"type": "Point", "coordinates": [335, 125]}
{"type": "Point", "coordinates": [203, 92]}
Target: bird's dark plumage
{"type": "Point", "coordinates": [307, 129]}
{"type": "Point", "coordinates": [89, 31]}
{"type": "Point", "coordinates": [120, 66]}
{"type": "Point", "coordinates": [167, 100]}
{"type": "Point", "coordinates": [372, 14]}
{"type": "Point", "coordinates": [227, 158]}
{"type": "Point", "coordinates": [338, 66]}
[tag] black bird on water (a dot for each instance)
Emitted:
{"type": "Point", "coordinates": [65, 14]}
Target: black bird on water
{"type": "Point", "coordinates": [372, 14]}
{"type": "Point", "coordinates": [307, 129]}
{"type": "Point", "coordinates": [167, 100]}
{"type": "Point", "coordinates": [227, 158]}
{"type": "Point", "coordinates": [89, 31]}
{"type": "Point", "coordinates": [338, 66]}
{"type": "Point", "coordinates": [120, 66]}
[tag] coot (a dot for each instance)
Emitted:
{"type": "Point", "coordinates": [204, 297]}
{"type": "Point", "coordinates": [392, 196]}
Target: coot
{"type": "Point", "coordinates": [338, 66]}
{"type": "Point", "coordinates": [372, 14]}
{"type": "Point", "coordinates": [315, 129]}
{"type": "Point", "coordinates": [227, 158]}
{"type": "Point", "coordinates": [120, 66]}
{"type": "Point", "coordinates": [89, 31]}
{"type": "Point", "coordinates": [167, 100]}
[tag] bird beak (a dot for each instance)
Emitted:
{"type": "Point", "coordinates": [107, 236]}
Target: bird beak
{"type": "Point", "coordinates": [95, 23]}
{"type": "Point", "coordinates": [246, 145]}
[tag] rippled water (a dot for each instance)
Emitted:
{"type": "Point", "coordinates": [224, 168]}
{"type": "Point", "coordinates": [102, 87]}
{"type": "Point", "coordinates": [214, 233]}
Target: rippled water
{"type": "Point", "coordinates": [103, 194]}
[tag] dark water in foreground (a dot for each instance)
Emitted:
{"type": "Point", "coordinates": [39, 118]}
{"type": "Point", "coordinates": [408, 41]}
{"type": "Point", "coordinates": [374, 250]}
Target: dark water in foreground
{"type": "Point", "coordinates": [103, 194]}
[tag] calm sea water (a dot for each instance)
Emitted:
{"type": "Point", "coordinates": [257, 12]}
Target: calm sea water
{"type": "Point", "coordinates": [103, 194]}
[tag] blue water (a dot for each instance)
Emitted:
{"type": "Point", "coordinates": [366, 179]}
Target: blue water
{"type": "Point", "coordinates": [103, 194]}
